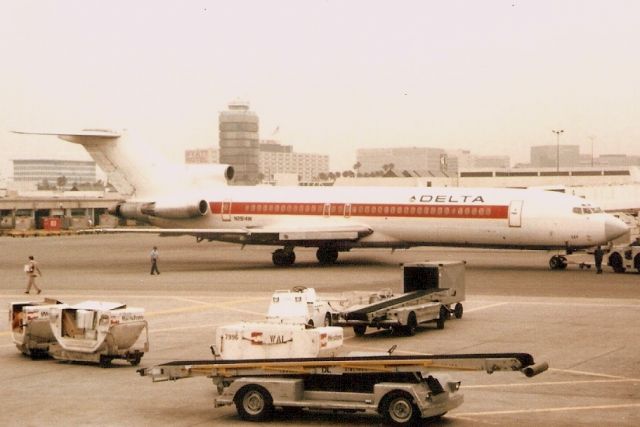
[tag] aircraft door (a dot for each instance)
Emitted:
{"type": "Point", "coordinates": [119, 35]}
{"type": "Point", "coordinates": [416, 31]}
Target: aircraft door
{"type": "Point", "coordinates": [347, 210]}
{"type": "Point", "coordinates": [226, 210]}
{"type": "Point", "coordinates": [515, 213]}
{"type": "Point", "coordinates": [326, 210]}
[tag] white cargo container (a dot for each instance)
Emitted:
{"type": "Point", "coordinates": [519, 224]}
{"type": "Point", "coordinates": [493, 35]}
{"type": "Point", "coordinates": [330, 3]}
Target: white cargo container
{"type": "Point", "coordinates": [94, 331]}
{"type": "Point", "coordinates": [265, 340]}
{"type": "Point", "coordinates": [30, 327]}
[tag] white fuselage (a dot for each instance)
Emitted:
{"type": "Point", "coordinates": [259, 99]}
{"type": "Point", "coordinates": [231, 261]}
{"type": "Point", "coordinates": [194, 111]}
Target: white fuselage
{"type": "Point", "coordinates": [404, 217]}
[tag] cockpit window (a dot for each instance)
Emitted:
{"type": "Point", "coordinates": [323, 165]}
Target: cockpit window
{"type": "Point", "coordinates": [586, 209]}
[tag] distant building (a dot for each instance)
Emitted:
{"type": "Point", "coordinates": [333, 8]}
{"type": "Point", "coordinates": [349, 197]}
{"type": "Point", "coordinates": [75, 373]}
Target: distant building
{"type": "Point", "coordinates": [373, 160]}
{"type": "Point", "coordinates": [281, 159]}
{"type": "Point", "coordinates": [29, 173]}
{"type": "Point", "coordinates": [466, 160]}
{"type": "Point", "coordinates": [617, 160]}
{"type": "Point", "coordinates": [547, 156]}
{"type": "Point", "coordinates": [202, 155]}
{"type": "Point", "coordinates": [239, 146]}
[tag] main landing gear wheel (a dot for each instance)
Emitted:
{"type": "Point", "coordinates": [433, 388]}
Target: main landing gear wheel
{"type": "Point", "coordinates": [558, 262]}
{"type": "Point", "coordinates": [327, 255]}
{"type": "Point", "coordinates": [283, 258]}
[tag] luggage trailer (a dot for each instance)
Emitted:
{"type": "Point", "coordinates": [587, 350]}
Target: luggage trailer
{"type": "Point", "coordinates": [30, 328]}
{"type": "Point", "coordinates": [403, 389]}
{"type": "Point", "coordinates": [99, 332]}
{"type": "Point", "coordinates": [433, 292]}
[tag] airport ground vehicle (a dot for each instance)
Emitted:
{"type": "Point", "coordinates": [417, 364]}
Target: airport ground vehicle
{"type": "Point", "coordinates": [299, 305]}
{"type": "Point", "coordinates": [433, 291]}
{"type": "Point", "coordinates": [94, 331]}
{"type": "Point", "coordinates": [271, 340]}
{"type": "Point", "coordinates": [625, 258]}
{"type": "Point", "coordinates": [401, 388]}
{"type": "Point", "coordinates": [30, 327]}
{"type": "Point", "coordinates": [303, 305]}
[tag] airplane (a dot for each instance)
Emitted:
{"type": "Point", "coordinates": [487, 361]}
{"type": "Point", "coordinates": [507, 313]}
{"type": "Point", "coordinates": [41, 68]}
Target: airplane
{"type": "Point", "coordinates": [337, 219]}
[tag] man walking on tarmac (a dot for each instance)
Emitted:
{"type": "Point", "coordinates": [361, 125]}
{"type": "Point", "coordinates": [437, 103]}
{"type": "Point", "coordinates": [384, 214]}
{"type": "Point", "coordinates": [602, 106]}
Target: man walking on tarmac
{"type": "Point", "coordinates": [598, 254]}
{"type": "Point", "coordinates": [32, 271]}
{"type": "Point", "coordinates": [154, 260]}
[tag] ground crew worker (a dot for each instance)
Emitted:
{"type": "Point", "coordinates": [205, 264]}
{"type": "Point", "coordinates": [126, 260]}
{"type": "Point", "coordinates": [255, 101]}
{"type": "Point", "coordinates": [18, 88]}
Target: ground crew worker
{"type": "Point", "coordinates": [32, 271]}
{"type": "Point", "coordinates": [598, 254]}
{"type": "Point", "coordinates": [154, 260]}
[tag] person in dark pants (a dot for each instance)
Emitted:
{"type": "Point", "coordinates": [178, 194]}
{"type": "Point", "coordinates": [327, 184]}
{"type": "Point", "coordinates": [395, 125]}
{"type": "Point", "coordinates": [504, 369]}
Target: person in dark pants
{"type": "Point", "coordinates": [598, 254]}
{"type": "Point", "coordinates": [154, 260]}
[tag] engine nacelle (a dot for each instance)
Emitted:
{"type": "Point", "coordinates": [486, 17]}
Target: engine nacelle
{"type": "Point", "coordinates": [141, 211]}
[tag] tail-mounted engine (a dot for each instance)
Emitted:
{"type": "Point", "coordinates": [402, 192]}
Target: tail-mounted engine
{"type": "Point", "coordinates": [141, 211]}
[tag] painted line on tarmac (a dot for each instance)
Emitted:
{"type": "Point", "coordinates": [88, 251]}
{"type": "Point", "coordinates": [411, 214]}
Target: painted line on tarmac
{"type": "Point", "coordinates": [541, 410]}
{"type": "Point", "coordinates": [485, 307]}
{"type": "Point", "coordinates": [206, 306]}
{"type": "Point", "coordinates": [548, 383]}
{"type": "Point", "coordinates": [592, 374]}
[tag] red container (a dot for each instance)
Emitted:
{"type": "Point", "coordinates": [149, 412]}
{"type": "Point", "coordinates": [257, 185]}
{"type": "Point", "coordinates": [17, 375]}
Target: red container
{"type": "Point", "coordinates": [52, 223]}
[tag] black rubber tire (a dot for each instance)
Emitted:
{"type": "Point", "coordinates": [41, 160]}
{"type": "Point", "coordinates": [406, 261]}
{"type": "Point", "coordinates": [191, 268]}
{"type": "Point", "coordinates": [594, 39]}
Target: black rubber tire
{"type": "Point", "coordinates": [398, 409]}
{"type": "Point", "coordinates": [615, 261]}
{"type": "Point", "coordinates": [458, 310]}
{"type": "Point", "coordinates": [359, 330]}
{"type": "Point", "coordinates": [105, 361]}
{"type": "Point", "coordinates": [558, 262]}
{"type": "Point", "coordinates": [412, 325]}
{"type": "Point", "coordinates": [327, 319]}
{"type": "Point", "coordinates": [281, 258]}
{"type": "Point", "coordinates": [135, 361]}
{"type": "Point", "coordinates": [327, 256]}
{"type": "Point", "coordinates": [254, 403]}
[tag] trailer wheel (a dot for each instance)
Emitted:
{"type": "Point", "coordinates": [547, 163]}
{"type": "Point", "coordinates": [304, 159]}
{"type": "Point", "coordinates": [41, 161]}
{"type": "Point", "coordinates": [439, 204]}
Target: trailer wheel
{"type": "Point", "coordinates": [457, 311]}
{"type": "Point", "coordinates": [399, 410]}
{"type": "Point", "coordinates": [105, 361]}
{"type": "Point", "coordinates": [254, 403]}
{"type": "Point", "coordinates": [412, 325]}
{"type": "Point", "coordinates": [359, 330]}
{"type": "Point", "coordinates": [327, 319]}
{"type": "Point", "coordinates": [135, 360]}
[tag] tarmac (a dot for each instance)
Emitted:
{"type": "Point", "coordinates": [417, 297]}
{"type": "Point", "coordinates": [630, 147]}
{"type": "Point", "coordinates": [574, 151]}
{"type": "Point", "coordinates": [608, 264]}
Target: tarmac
{"type": "Point", "coordinates": [586, 326]}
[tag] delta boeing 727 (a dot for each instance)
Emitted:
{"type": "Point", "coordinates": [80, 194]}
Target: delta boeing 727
{"type": "Point", "coordinates": [338, 219]}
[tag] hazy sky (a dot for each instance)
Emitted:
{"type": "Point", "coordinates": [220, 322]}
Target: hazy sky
{"type": "Point", "coordinates": [491, 76]}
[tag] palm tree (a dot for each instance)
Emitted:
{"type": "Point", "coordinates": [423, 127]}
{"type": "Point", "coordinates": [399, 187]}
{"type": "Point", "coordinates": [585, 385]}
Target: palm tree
{"type": "Point", "coordinates": [357, 167]}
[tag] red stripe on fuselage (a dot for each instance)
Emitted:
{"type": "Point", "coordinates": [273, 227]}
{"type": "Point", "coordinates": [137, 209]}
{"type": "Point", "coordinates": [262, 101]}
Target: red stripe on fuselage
{"type": "Point", "coordinates": [362, 210]}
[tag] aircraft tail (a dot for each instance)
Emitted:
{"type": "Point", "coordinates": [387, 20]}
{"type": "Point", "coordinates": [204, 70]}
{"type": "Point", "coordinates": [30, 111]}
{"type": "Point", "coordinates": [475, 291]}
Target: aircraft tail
{"type": "Point", "coordinates": [134, 169]}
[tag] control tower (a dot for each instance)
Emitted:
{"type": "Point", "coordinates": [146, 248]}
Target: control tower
{"type": "Point", "coordinates": [239, 142]}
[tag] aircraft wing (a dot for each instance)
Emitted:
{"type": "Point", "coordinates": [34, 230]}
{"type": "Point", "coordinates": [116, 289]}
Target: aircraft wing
{"type": "Point", "coordinates": [276, 235]}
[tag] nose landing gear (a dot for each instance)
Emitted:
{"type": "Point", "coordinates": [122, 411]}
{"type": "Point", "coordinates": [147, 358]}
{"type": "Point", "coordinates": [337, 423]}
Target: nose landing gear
{"type": "Point", "coordinates": [558, 262]}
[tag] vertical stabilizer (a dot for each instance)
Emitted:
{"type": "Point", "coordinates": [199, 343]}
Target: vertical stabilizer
{"type": "Point", "coordinates": [130, 168]}
{"type": "Point", "coordinates": [136, 170]}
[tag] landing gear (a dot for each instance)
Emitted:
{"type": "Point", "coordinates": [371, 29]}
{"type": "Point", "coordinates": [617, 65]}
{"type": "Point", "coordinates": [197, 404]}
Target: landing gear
{"type": "Point", "coordinates": [327, 255]}
{"type": "Point", "coordinates": [558, 262]}
{"type": "Point", "coordinates": [283, 257]}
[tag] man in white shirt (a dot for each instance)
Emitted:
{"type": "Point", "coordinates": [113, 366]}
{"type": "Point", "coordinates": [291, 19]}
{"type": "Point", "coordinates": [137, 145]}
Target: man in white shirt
{"type": "Point", "coordinates": [32, 271]}
{"type": "Point", "coordinates": [154, 260]}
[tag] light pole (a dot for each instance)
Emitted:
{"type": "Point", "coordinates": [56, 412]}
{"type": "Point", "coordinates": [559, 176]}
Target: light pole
{"type": "Point", "coordinates": [558, 132]}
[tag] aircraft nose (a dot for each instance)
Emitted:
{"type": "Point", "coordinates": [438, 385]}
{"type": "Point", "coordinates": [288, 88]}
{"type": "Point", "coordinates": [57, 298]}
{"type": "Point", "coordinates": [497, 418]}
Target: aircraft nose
{"type": "Point", "coordinates": [614, 228]}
